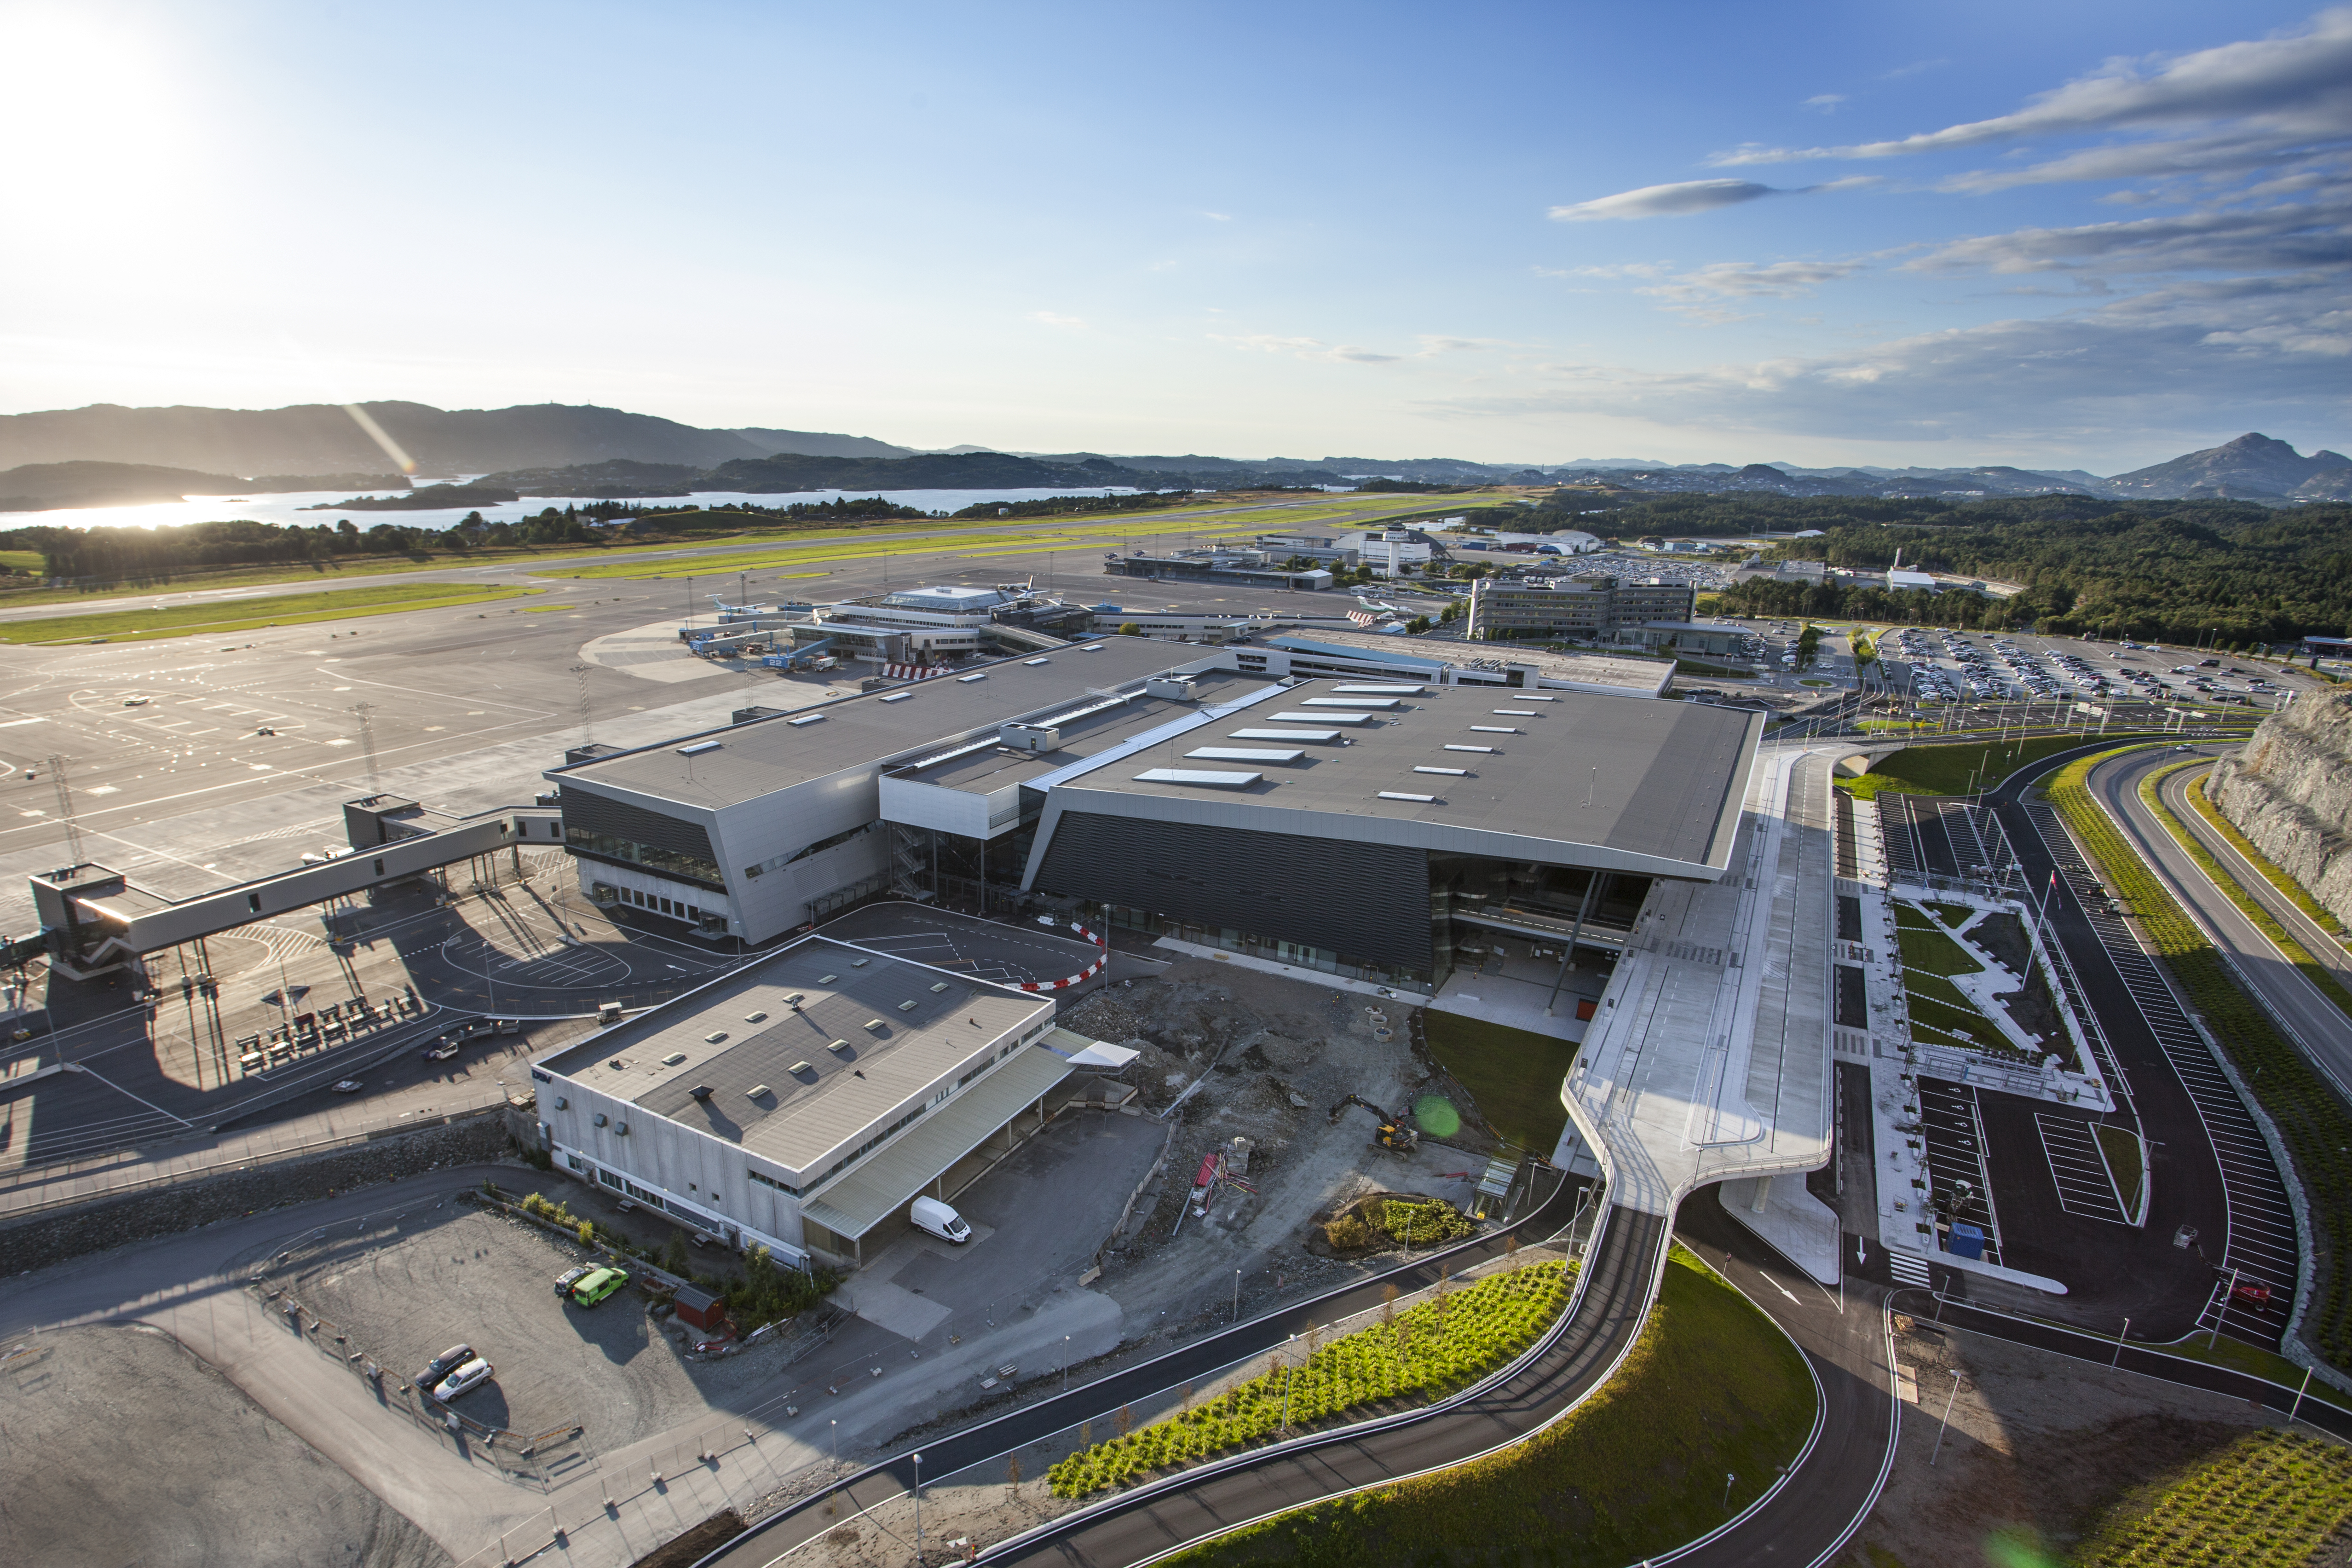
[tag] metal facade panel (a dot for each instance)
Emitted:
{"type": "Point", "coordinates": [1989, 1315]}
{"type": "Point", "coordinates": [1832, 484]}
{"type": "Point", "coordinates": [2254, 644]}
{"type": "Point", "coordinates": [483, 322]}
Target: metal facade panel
{"type": "Point", "coordinates": [1366, 900]}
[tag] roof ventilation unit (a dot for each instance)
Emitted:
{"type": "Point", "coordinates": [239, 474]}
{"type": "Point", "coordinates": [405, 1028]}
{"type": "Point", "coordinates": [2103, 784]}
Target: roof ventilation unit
{"type": "Point", "coordinates": [1029, 736]}
{"type": "Point", "coordinates": [1175, 687]}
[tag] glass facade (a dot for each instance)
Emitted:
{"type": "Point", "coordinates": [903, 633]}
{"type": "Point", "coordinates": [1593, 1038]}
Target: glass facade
{"type": "Point", "coordinates": [622, 851]}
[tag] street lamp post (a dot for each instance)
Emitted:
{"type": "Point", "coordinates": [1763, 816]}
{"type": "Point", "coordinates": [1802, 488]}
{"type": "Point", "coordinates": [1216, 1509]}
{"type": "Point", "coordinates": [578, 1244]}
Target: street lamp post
{"type": "Point", "coordinates": [919, 1510]}
{"type": "Point", "coordinates": [1947, 1420]}
{"type": "Point", "coordinates": [2118, 1357]}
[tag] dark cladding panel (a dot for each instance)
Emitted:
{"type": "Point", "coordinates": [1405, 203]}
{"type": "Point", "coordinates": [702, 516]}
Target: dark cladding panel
{"type": "Point", "coordinates": [617, 818]}
{"type": "Point", "coordinates": [1367, 901]}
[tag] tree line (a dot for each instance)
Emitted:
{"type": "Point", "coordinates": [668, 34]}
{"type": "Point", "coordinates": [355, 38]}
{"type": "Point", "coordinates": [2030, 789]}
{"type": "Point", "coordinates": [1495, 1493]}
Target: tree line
{"type": "Point", "coordinates": [2169, 570]}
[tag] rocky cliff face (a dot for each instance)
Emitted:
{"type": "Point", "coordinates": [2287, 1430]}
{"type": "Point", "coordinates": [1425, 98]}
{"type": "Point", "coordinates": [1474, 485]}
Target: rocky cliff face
{"type": "Point", "coordinates": [2290, 791]}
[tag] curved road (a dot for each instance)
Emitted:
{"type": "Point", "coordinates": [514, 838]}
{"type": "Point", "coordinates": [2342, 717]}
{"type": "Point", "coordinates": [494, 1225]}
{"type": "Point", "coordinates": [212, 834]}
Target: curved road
{"type": "Point", "coordinates": [2312, 1020]}
{"type": "Point", "coordinates": [1805, 1521]}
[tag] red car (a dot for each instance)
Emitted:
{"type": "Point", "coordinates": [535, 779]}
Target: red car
{"type": "Point", "coordinates": [2259, 1295]}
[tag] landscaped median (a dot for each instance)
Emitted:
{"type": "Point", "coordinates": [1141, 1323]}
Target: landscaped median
{"type": "Point", "coordinates": [1712, 1389]}
{"type": "Point", "coordinates": [1421, 1354]}
{"type": "Point", "coordinates": [214, 617]}
{"type": "Point", "coordinates": [2311, 1122]}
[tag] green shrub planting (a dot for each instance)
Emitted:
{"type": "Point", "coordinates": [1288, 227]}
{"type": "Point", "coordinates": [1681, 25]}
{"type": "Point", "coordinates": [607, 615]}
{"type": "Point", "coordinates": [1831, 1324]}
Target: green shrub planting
{"type": "Point", "coordinates": [2270, 1500]}
{"type": "Point", "coordinates": [1425, 1352]}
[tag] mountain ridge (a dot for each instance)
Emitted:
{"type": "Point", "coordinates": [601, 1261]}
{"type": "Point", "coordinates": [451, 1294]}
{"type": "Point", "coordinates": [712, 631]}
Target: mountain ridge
{"type": "Point", "coordinates": [593, 452]}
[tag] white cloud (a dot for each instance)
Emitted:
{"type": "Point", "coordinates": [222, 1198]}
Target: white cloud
{"type": "Point", "coordinates": [1823, 102]}
{"type": "Point", "coordinates": [1051, 319]}
{"type": "Point", "coordinates": [2268, 351]}
{"type": "Point", "coordinates": [1218, 217]}
{"type": "Point", "coordinates": [2270, 239]}
{"type": "Point", "coordinates": [2286, 97]}
{"type": "Point", "coordinates": [1666, 201]}
{"type": "Point", "coordinates": [1304, 348]}
{"type": "Point", "coordinates": [1752, 279]}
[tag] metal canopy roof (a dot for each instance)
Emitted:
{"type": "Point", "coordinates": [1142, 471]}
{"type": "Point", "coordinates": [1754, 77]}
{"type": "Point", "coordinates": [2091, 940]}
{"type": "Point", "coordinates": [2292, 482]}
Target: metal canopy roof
{"type": "Point", "coordinates": [862, 1197]}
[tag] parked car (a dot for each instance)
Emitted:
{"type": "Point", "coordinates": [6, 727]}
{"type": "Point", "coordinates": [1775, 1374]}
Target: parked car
{"type": "Point", "coordinates": [472, 1375]}
{"type": "Point", "coordinates": [347, 1086]}
{"type": "Point", "coordinates": [2259, 1295]}
{"type": "Point", "coordinates": [134, 702]}
{"type": "Point", "coordinates": [571, 1277]}
{"type": "Point", "coordinates": [442, 1365]}
{"type": "Point", "coordinates": [597, 1285]}
{"type": "Point", "coordinates": [442, 1049]}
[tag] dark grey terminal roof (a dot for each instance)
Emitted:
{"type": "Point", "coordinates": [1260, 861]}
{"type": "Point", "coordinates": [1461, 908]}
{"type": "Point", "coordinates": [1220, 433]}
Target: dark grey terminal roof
{"type": "Point", "coordinates": [800, 1119]}
{"type": "Point", "coordinates": [768, 755]}
{"type": "Point", "coordinates": [993, 767]}
{"type": "Point", "coordinates": [1660, 776]}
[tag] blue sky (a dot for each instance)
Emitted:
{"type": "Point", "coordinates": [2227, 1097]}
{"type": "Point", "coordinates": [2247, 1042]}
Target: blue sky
{"type": "Point", "coordinates": [2090, 235]}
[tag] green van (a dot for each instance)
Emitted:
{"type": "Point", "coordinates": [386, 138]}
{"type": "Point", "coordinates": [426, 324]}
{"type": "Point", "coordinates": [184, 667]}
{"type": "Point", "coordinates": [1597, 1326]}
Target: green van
{"type": "Point", "coordinates": [597, 1286]}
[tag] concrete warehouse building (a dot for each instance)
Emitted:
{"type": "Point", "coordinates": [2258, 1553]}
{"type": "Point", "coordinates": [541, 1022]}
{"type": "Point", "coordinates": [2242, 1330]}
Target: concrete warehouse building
{"type": "Point", "coordinates": [803, 1102]}
{"type": "Point", "coordinates": [1594, 607]}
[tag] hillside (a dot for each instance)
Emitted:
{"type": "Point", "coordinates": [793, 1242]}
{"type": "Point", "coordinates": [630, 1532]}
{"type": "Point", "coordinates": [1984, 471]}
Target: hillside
{"type": "Point", "coordinates": [2252, 466]}
{"type": "Point", "coordinates": [41, 486]}
{"type": "Point", "coordinates": [323, 438]}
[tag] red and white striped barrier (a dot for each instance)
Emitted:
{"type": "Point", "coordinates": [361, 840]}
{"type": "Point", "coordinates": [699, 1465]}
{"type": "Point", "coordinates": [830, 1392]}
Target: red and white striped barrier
{"type": "Point", "coordinates": [1083, 976]}
{"type": "Point", "coordinates": [913, 671]}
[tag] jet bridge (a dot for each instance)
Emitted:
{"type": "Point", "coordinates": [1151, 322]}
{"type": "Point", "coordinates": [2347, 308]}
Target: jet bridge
{"type": "Point", "coordinates": [95, 920]}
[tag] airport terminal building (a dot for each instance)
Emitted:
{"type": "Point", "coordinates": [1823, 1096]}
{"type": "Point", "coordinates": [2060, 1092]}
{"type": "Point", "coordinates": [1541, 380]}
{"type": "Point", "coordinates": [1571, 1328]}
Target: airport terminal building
{"type": "Point", "coordinates": [1366, 827]}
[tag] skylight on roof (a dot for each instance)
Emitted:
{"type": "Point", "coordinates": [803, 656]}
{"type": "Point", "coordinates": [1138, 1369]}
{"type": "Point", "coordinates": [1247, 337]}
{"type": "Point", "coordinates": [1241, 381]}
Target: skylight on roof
{"type": "Point", "coordinates": [898, 696]}
{"type": "Point", "coordinates": [805, 718]}
{"type": "Point", "coordinates": [968, 679]}
{"type": "Point", "coordinates": [1198, 778]}
{"type": "Point", "coordinates": [697, 749]}
{"type": "Point", "coordinates": [1469, 748]}
{"type": "Point", "coordinates": [1458, 772]}
{"type": "Point", "coordinates": [1494, 729]}
{"type": "Point", "coordinates": [1036, 661]}
{"type": "Point", "coordinates": [1400, 795]}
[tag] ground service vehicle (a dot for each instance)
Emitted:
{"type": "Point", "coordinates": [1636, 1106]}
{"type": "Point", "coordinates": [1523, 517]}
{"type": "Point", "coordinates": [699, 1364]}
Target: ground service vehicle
{"type": "Point", "coordinates": [940, 1220]}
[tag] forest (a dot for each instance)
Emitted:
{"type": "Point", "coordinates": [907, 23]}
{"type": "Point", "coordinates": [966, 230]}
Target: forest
{"type": "Point", "coordinates": [2175, 570]}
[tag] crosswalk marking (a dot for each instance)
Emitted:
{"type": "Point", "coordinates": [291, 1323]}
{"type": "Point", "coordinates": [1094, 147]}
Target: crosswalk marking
{"type": "Point", "coordinates": [1908, 1267]}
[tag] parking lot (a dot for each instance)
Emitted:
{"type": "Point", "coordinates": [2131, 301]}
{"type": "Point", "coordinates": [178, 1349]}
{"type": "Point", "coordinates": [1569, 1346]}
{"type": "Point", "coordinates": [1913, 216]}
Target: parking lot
{"type": "Point", "coordinates": [408, 1288]}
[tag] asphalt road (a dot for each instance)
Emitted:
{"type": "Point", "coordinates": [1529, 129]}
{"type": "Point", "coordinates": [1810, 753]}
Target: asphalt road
{"type": "Point", "coordinates": [2312, 1020]}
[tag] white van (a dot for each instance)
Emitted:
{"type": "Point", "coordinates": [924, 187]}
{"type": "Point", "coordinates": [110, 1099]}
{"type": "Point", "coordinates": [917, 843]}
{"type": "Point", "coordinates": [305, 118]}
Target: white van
{"type": "Point", "coordinates": [940, 1220]}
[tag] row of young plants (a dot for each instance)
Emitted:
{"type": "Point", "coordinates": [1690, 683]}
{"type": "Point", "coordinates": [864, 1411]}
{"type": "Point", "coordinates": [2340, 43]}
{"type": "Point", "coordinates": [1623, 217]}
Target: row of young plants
{"type": "Point", "coordinates": [1423, 1352]}
{"type": "Point", "coordinates": [2310, 1120]}
{"type": "Point", "coordinates": [2270, 1500]}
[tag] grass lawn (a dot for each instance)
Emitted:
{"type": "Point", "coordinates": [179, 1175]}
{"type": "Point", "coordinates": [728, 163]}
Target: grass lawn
{"type": "Point", "coordinates": [1945, 770]}
{"type": "Point", "coordinates": [1927, 945]}
{"type": "Point", "coordinates": [2270, 1500]}
{"type": "Point", "coordinates": [1513, 1075]}
{"type": "Point", "coordinates": [2121, 1146]}
{"type": "Point", "coordinates": [243, 615]}
{"type": "Point", "coordinates": [1712, 1389]}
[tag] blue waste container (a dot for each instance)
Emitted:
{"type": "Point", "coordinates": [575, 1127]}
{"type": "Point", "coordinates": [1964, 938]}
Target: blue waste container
{"type": "Point", "coordinates": [1966, 1241]}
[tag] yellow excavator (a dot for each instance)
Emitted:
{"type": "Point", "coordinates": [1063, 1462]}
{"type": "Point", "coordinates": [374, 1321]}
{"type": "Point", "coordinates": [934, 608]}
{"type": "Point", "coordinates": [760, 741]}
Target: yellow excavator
{"type": "Point", "coordinates": [1397, 1135]}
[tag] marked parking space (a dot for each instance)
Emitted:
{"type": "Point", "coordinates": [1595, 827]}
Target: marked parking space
{"type": "Point", "coordinates": [2080, 1171]}
{"type": "Point", "coordinates": [2260, 1246]}
{"type": "Point", "coordinates": [1958, 1183]}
